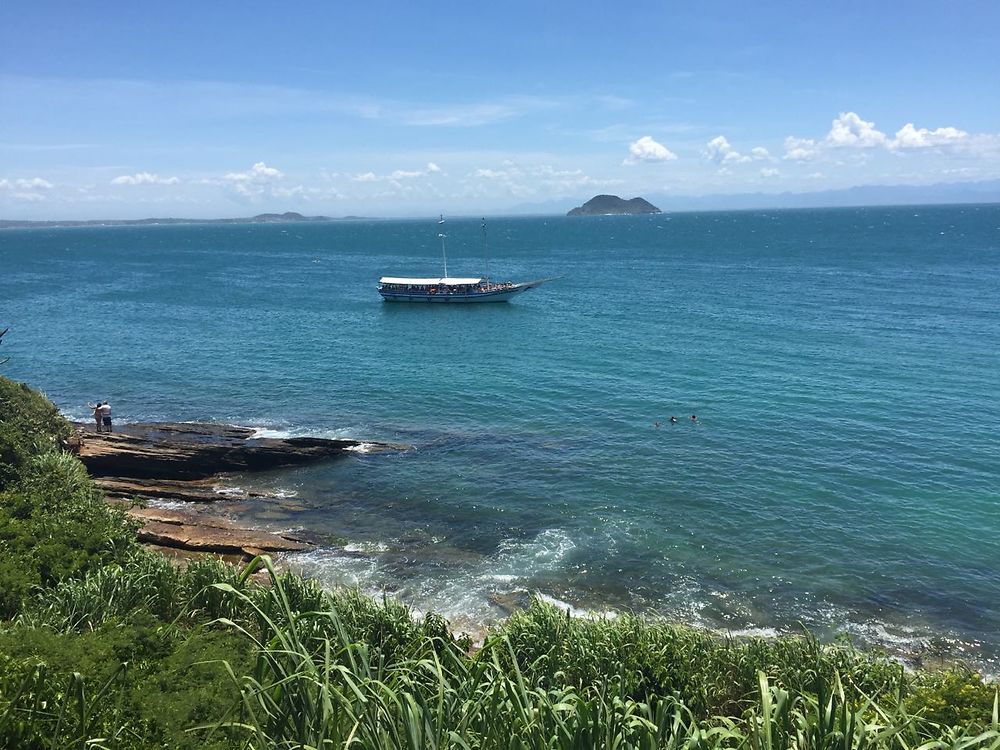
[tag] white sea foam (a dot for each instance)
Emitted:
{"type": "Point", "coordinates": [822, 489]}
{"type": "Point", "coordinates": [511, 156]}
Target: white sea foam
{"type": "Point", "coordinates": [229, 491]}
{"type": "Point", "coordinates": [576, 611]}
{"type": "Point", "coordinates": [902, 639]}
{"type": "Point", "coordinates": [751, 632]}
{"type": "Point", "coordinates": [267, 432]}
{"type": "Point", "coordinates": [545, 552]}
{"type": "Point", "coordinates": [263, 430]}
{"type": "Point", "coordinates": [366, 547]}
{"type": "Point", "coordinates": [171, 504]}
{"type": "Point", "coordinates": [362, 448]}
{"type": "Point", "coordinates": [475, 596]}
{"type": "Point", "coordinates": [481, 594]}
{"type": "Point", "coordinates": [332, 569]}
{"type": "Point", "coordinates": [500, 577]}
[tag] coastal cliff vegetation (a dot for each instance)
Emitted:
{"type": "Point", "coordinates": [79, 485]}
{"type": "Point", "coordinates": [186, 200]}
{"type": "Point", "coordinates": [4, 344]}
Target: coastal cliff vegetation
{"type": "Point", "coordinates": [105, 644]}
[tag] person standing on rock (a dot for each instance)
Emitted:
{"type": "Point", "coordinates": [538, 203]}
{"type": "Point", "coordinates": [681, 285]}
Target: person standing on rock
{"type": "Point", "coordinates": [105, 409]}
{"type": "Point", "coordinates": [98, 417]}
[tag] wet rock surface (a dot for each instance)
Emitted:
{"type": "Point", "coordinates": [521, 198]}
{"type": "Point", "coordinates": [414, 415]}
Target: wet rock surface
{"type": "Point", "coordinates": [160, 450]}
{"type": "Point", "coordinates": [186, 463]}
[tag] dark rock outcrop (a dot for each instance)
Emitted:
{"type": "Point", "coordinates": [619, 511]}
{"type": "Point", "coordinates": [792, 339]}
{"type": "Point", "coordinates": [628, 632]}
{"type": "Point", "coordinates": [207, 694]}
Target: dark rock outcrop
{"type": "Point", "coordinates": [198, 451]}
{"type": "Point", "coordinates": [604, 205]}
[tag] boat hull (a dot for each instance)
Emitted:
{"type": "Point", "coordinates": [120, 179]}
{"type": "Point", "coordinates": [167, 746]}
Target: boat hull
{"type": "Point", "coordinates": [494, 295]}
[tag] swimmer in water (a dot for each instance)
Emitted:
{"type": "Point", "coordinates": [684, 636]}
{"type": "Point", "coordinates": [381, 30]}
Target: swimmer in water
{"type": "Point", "coordinates": [673, 420]}
{"type": "Point", "coordinates": [694, 418]}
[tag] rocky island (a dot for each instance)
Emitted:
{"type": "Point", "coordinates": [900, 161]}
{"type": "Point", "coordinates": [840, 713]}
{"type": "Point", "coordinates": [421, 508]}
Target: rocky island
{"type": "Point", "coordinates": [612, 205]}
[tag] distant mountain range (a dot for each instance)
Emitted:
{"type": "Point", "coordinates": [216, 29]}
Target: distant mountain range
{"type": "Point", "coordinates": [987, 191]}
{"type": "Point", "coordinates": [612, 205]}
{"type": "Point", "coordinates": [286, 218]}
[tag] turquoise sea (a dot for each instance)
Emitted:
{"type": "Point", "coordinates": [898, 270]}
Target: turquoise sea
{"type": "Point", "coordinates": [844, 366]}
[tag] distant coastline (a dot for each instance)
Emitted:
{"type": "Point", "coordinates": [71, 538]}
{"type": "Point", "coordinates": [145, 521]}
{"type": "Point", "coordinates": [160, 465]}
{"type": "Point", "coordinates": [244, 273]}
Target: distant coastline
{"type": "Point", "coordinates": [289, 217]}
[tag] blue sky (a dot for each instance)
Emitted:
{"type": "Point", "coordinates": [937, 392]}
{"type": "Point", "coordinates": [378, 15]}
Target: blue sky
{"type": "Point", "coordinates": [115, 110]}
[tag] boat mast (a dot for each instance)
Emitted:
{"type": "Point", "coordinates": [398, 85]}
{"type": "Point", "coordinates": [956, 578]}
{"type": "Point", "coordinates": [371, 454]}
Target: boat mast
{"type": "Point", "coordinates": [444, 255]}
{"type": "Point", "coordinates": [486, 252]}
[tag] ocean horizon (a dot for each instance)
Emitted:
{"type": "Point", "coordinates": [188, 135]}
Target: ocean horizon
{"type": "Point", "coordinates": [841, 475]}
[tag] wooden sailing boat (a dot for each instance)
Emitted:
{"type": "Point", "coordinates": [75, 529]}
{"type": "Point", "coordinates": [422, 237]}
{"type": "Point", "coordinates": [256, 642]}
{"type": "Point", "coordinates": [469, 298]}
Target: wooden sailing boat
{"type": "Point", "coordinates": [452, 288]}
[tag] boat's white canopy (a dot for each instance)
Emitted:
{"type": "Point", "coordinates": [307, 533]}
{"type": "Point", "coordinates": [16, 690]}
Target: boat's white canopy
{"type": "Point", "coordinates": [447, 281]}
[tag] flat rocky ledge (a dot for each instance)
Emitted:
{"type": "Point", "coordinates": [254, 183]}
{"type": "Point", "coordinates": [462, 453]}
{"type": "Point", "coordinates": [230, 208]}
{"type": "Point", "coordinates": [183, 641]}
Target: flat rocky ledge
{"type": "Point", "coordinates": [161, 450]}
{"type": "Point", "coordinates": [196, 533]}
{"type": "Point", "coordinates": [183, 462]}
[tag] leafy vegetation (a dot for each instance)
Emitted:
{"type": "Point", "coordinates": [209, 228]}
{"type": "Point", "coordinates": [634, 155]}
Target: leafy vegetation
{"type": "Point", "coordinates": [29, 426]}
{"type": "Point", "coordinates": [54, 522]}
{"type": "Point", "coordinates": [105, 644]}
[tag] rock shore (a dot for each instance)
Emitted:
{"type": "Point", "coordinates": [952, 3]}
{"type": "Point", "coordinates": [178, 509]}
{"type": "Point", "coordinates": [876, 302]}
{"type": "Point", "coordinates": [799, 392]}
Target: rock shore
{"type": "Point", "coordinates": [197, 533]}
{"type": "Point", "coordinates": [161, 450]}
{"type": "Point", "coordinates": [186, 463]}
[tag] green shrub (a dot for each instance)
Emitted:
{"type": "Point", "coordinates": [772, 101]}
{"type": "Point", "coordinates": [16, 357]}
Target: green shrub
{"type": "Point", "coordinates": [954, 697]}
{"type": "Point", "coordinates": [29, 425]}
{"type": "Point", "coordinates": [142, 685]}
{"type": "Point", "coordinates": [55, 524]}
{"type": "Point", "coordinates": [710, 674]}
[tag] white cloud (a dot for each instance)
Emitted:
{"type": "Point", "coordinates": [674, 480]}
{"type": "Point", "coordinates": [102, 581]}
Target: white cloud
{"type": "Point", "coordinates": [259, 173]}
{"type": "Point", "coordinates": [399, 174]}
{"type": "Point", "coordinates": [29, 184]}
{"type": "Point", "coordinates": [256, 182]}
{"type": "Point", "coordinates": [768, 172]}
{"type": "Point", "coordinates": [34, 183]}
{"type": "Point", "coordinates": [800, 149]}
{"type": "Point", "coordinates": [720, 151]}
{"type": "Point", "coordinates": [646, 149]}
{"type": "Point", "coordinates": [859, 139]}
{"type": "Point", "coordinates": [909, 136]}
{"type": "Point", "coordinates": [144, 178]}
{"type": "Point", "coordinates": [534, 181]}
{"type": "Point", "coordinates": [849, 130]}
